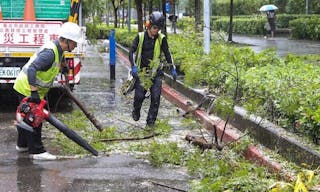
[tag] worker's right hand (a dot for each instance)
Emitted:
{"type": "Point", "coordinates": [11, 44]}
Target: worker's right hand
{"type": "Point", "coordinates": [64, 70]}
{"type": "Point", "coordinates": [134, 71]}
{"type": "Point", "coordinates": [34, 98]}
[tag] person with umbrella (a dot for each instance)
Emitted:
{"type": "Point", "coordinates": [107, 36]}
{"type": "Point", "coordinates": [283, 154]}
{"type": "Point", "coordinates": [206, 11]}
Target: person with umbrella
{"type": "Point", "coordinates": [271, 16]}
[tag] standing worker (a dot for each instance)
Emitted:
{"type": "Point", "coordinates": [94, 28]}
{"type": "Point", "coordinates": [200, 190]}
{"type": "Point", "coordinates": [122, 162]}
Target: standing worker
{"type": "Point", "coordinates": [271, 16]}
{"type": "Point", "coordinates": [35, 80]}
{"type": "Point", "coordinates": [148, 46]}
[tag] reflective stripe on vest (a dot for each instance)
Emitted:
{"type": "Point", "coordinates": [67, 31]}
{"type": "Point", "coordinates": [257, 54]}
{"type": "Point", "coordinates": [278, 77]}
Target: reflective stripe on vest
{"type": "Point", "coordinates": [156, 50]}
{"type": "Point", "coordinates": [44, 79]}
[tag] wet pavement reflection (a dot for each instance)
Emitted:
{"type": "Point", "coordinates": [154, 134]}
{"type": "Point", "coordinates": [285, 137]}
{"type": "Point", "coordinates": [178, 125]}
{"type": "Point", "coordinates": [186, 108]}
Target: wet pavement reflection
{"type": "Point", "coordinates": [282, 45]}
{"type": "Point", "coordinates": [116, 172]}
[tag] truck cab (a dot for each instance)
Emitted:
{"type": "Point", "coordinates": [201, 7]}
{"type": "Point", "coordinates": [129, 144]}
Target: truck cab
{"type": "Point", "coordinates": [21, 36]}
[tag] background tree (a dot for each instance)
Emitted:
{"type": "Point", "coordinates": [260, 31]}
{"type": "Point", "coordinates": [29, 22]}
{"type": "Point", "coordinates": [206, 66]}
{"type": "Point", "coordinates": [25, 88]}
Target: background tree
{"type": "Point", "coordinates": [92, 8]}
{"type": "Point", "coordinates": [230, 22]}
{"type": "Point", "coordinates": [193, 8]}
{"type": "Point", "coordinates": [164, 29]}
{"type": "Point", "coordinates": [139, 14]}
{"type": "Point", "coordinates": [197, 13]}
{"type": "Point", "coordinates": [116, 4]}
{"type": "Point", "coordinates": [174, 15]}
{"type": "Point", "coordinates": [281, 4]}
{"type": "Point", "coordinates": [150, 5]}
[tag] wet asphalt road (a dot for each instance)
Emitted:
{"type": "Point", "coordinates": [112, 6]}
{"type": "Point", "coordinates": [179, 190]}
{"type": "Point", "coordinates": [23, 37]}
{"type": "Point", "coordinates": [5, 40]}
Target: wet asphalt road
{"type": "Point", "coordinates": [117, 172]}
{"type": "Point", "coordinates": [282, 45]}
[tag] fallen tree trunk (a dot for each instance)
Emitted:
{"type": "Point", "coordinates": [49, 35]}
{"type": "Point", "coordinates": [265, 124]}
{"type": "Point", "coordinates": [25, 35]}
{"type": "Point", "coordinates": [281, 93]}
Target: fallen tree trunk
{"type": "Point", "coordinates": [199, 141]}
{"type": "Point", "coordinates": [130, 138]}
{"type": "Point", "coordinates": [90, 116]}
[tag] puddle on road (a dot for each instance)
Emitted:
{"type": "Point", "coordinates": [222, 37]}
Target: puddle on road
{"type": "Point", "coordinates": [120, 186]}
{"type": "Point", "coordinates": [113, 173]}
{"type": "Point", "coordinates": [106, 173]}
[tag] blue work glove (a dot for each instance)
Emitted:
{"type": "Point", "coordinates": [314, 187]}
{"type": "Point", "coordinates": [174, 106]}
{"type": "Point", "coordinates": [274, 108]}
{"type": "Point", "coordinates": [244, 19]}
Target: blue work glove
{"type": "Point", "coordinates": [34, 98]}
{"type": "Point", "coordinates": [174, 73]}
{"type": "Point", "coordinates": [134, 71]}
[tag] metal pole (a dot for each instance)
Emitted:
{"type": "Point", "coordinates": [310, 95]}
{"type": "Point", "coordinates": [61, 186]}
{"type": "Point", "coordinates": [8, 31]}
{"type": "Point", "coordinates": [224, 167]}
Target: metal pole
{"type": "Point", "coordinates": [80, 15]}
{"type": "Point", "coordinates": [206, 27]}
{"type": "Point", "coordinates": [174, 21]}
{"type": "Point", "coordinates": [112, 51]}
{"type": "Point", "coordinates": [107, 19]}
{"type": "Point", "coordinates": [307, 7]}
{"type": "Point", "coordinates": [129, 15]}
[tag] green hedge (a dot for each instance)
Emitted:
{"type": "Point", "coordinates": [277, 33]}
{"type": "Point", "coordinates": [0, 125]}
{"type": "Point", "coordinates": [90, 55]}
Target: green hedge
{"type": "Point", "coordinates": [102, 31]}
{"type": "Point", "coordinates": [306, 28]}
{"type": "Point", "coordinates": [284, 90]}
{"type": "Point", "coordinates": [249, 7]}
{"type": "Point", "coordinates": [241, 25]}
{"type": "Point", "coordinates": [303, 26]}
{"type": "Point", "coordinates": [241, 7]}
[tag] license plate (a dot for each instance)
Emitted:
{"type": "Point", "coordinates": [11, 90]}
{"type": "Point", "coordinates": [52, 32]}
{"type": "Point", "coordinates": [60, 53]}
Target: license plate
{"type": "Point", "coordinates": [9, 72]}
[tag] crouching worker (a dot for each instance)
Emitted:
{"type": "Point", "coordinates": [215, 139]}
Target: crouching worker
{"type": "Point", "coordinates": [146, 66]}
{"type": "Point", "coordinates": [35, 80]}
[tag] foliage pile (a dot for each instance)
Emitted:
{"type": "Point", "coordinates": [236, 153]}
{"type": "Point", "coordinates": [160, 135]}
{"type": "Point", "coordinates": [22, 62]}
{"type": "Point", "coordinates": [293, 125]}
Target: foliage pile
{"type": "Point", "coordinates": [210, 170]}
{"type": "Point", "coordinates": [284, 90]}
{"type": "Point", "coordinates": [213, 170]}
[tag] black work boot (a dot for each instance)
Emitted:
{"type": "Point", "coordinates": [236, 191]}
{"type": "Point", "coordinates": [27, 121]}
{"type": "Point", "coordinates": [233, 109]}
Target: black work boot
{"type": "Point", "coordinates": [135, 115]}
{"type": "Point", "coordinates": [150, 127]}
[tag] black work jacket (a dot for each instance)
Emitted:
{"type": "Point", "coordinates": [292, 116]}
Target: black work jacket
{"type": "Point", "coordinates": [147, 49]}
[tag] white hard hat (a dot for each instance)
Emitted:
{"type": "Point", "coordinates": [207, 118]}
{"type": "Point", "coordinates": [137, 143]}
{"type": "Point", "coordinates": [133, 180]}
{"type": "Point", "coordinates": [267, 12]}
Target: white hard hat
{"type": "Point", "coordinates": [71, 31]}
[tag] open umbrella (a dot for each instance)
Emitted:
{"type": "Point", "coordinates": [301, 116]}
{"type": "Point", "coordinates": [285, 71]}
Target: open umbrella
{"type": "Point", "coordinates": [268, 8]}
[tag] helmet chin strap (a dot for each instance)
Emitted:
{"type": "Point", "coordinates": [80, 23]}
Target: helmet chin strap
{"type": "Point", "coordinates": [68, 45]}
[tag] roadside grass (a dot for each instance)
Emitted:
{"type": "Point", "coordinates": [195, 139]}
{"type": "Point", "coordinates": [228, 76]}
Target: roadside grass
{"type": "Point", "coordinates": [210, 170]}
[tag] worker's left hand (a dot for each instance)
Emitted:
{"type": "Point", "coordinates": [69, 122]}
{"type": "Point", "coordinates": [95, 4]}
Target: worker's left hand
{"type": "Point", "coordinates": [174, 73]}
{"type": "Point", "coordinates": [134, 71]}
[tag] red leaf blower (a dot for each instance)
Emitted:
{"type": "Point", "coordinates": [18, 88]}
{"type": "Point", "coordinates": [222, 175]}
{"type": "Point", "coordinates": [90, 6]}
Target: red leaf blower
{"type": "Point", "coordinates": [30, 115]}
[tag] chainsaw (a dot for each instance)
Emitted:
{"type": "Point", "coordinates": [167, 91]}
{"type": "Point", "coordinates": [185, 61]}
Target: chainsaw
{"type": "Point", "coordinates": [128, 86]}
{"type": "Point", "coordinates": [30, 115]}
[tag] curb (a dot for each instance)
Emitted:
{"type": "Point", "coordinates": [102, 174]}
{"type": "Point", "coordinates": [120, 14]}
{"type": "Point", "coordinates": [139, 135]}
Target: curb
{"type": "Point", "coordinates": [266, 133]}
{"type": "Point", "coordinates": [252, 154]}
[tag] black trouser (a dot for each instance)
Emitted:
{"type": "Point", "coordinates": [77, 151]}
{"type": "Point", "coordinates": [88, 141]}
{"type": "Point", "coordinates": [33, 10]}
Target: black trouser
{"type": "Point", "coordinates": [272, 24]}
{"type": "Point", "coordinates": [32, 140]}
{"type": "Point", "coordinates": [155, 94]}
